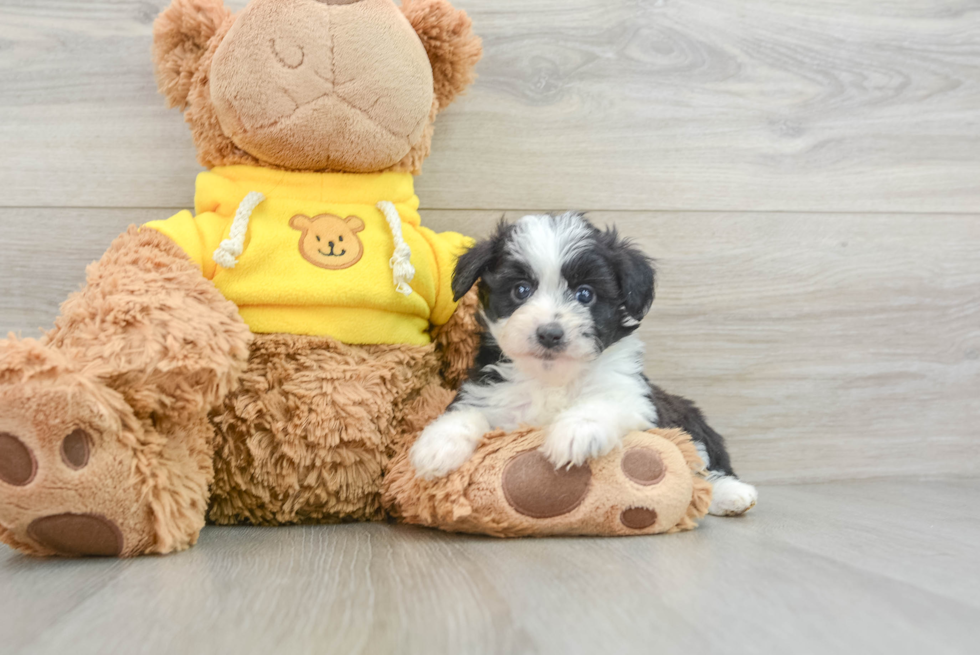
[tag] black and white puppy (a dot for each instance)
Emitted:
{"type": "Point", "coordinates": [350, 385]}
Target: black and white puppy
{"type": "Point", "coordinates": [560, 301]}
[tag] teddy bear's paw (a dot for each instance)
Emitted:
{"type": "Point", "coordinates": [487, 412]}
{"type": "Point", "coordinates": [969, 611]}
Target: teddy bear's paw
{"type": "Point", "coordinates": [644, 487]}
{"type": "Point", "coordinates": [66, 476]}
{"type": "Point", "coordinates": [732, 497]}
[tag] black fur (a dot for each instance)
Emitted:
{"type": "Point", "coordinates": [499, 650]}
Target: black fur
{"type": "Point", "coordinates": [477, 260]}
{"type": "Point", "coordinates": [677, 412]}
{"type": "Point", "coordinates": [623, 278]}
{"type": "Point", "coordinates": [634, 272]}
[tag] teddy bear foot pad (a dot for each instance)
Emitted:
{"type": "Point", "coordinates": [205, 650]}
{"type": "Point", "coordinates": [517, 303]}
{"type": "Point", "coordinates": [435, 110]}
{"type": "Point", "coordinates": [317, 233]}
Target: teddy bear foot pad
{"type": "Point", "coordinates": [509, 488]}
{"type": "Point", "coordinates": [66, 478]}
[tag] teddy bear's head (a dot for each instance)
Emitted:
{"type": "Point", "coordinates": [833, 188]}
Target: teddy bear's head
{"type": "Point", "coordinates": [314, 85]}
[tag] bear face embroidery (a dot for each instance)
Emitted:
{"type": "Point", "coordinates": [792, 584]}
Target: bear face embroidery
{"type": "Point", "coordinates": [329, 241]}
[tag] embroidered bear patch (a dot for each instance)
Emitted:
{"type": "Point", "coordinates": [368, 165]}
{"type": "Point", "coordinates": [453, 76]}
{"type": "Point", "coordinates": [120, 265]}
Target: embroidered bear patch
{"type": "Point", "coordinates": [329, 241]}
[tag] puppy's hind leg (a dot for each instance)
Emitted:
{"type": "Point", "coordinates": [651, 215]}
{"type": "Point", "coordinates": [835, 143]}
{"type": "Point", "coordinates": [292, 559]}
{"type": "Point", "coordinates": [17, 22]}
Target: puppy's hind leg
{"type": "Point", "coordinates": [730, 496]}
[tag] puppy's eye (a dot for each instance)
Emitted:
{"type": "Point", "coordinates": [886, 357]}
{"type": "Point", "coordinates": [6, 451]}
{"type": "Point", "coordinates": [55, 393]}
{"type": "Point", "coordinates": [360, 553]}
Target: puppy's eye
{"type": "Point", "coordinates": [340, 239]}
{"type": "Point", "coordinates": [585, 294]}
{"type": "Point", "coordinates": [522, 291]}
{"type": "Point", "coordinates": [318, 238]}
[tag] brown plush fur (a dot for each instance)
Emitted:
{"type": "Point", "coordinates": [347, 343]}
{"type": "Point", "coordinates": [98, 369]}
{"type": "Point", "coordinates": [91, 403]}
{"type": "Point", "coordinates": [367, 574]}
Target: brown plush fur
{"type": "Point", "coordinates": [307, 436]}
{"type": "Point", "coordinates": [472, 498]}
{"type": "Point", "coordinates": [458, 340]}
{"type": "Point", "coordinates": [181, 37]}
{"type": "Point", "coordinates": [137, 358]}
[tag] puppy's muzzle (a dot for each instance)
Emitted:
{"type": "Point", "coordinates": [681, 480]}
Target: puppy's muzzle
{"type": "Point", "coordinates": [551, 336]}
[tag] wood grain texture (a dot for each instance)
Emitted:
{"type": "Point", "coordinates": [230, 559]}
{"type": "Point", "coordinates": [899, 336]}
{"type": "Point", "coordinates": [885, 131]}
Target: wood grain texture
{"type": "Point", "coordinates": [823, 346]}
{"type": "Point", "coordinates": [866, 105]}
{"type": "Point", "coordinates": [842, 568]}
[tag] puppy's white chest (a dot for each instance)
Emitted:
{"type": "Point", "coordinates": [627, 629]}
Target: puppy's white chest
{"type": "Point", "coordinates": [546, 404]}
{"type": "Point", "coordinates": [514, 403]}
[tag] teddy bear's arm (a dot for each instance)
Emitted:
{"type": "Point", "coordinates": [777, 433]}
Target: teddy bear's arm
{"type": "Point", "coordinates": [198, 236]}
{"type": "Point", "coordinates": [446, 247]}
{"type": "Point", "coordinates": [458, 340]}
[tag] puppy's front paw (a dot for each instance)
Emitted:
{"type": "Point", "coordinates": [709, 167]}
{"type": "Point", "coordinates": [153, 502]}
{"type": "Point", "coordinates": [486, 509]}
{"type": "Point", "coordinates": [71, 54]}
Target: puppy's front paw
{"type": "Point", "coordinates": [447, 443]}
{"type": "Point", "coordinates": [572, 441]}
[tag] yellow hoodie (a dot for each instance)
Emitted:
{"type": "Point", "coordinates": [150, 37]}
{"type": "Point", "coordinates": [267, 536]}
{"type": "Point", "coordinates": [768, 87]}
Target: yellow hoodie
{"type": "Point", "coordinates": [337, 254]}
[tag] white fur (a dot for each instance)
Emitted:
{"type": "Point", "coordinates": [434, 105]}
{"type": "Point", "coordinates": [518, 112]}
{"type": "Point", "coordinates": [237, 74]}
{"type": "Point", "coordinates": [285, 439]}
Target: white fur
{"type": "Point", "coordinates": [586, 416]}
{"type": "Point", "coordinates": [448, 442]}
{"type": "Point", "coordinates": [731, 496]}
{"type": "Point", "coordinates": [586, 399]}
{"type": "Point", "coordinates": [703, 454]}
{"type": "Point", "coordinates": [544, 243]}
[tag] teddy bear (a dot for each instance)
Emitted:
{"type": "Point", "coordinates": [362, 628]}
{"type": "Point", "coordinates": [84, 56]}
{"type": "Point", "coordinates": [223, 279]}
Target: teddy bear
{"type": "Point", "coordinates": [269, 358]}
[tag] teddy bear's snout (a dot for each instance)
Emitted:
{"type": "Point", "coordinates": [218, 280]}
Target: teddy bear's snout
{"type": "Point", "coordinates": [281, 84]}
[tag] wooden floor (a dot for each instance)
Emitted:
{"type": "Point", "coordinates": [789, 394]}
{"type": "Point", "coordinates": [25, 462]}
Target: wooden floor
{"type": "Point", "coordinates": [860, 567]}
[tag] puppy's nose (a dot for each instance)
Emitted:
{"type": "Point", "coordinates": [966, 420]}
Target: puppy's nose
{"type": "Point", "coordinates": [551, 335]}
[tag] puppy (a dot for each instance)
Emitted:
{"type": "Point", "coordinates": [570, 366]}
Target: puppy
{"type": "Point", "coordinates": [560, 302]}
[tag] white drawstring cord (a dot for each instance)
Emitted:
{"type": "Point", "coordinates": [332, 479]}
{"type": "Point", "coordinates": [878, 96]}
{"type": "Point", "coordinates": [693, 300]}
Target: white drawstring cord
{"type": "Point", "coordinates": [226, 254]}
{"type": "Point", "coordinates": [401, 260]}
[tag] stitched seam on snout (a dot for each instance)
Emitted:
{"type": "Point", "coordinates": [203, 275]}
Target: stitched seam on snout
{"type": "Point", "coordinates": [275, 52]}
{"type": "Point", "coordinates": [333, 62]}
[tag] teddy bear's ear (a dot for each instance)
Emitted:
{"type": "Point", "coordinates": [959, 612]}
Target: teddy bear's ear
{"type": "Point", "coordinates": [354, 223]}
{"type": "Point", "coordinates": [447, 34]}
{"type": "Point", "coordinates": [180, 38]}
{"type": "Point", "coordinates": [300, 222]}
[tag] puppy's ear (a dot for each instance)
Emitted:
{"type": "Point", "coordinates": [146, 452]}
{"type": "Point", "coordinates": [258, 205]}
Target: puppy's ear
{"type": "Point", "coordinates": [635, 274]}
{"type": "Point", "coordinates": [447, 34]}
{"type": "Point", "coordinates": [470, 266]}
{"type": "Point", "coordinates": [181, 36]}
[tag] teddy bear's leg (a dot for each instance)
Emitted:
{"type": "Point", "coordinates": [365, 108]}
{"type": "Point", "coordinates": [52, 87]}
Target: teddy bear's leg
{"type": "Point", "coordinates": [105, 446]}
{"type": "Point", "coordinates": [308, 434]}
{"type": "Point", "coordinates": [509, 488]}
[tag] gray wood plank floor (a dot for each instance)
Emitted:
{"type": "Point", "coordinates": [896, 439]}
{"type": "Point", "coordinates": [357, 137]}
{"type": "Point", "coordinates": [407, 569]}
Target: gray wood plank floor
{"type": "Point", "coordinates": [858, 567]}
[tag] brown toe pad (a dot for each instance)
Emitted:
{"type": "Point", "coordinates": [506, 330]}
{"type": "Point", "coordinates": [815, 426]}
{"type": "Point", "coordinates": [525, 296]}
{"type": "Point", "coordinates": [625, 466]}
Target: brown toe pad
{"type": "Point", "coordinates": [17, 463]}
{"type": "Point", "coordinates": [533, 487]}
{"type": "Point", "coordinates": [75, 449]}
{"type": "Point", "coordinates": [78, 535]}
{"type": "Point", "coordinates": [643, 466]}
{"type": "Point", "coordinates": [638, 518]}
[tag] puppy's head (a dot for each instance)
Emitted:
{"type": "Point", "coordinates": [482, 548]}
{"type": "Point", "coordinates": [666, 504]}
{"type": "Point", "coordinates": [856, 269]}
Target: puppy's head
{"type": "Point", "coordinates": [556, 291]}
